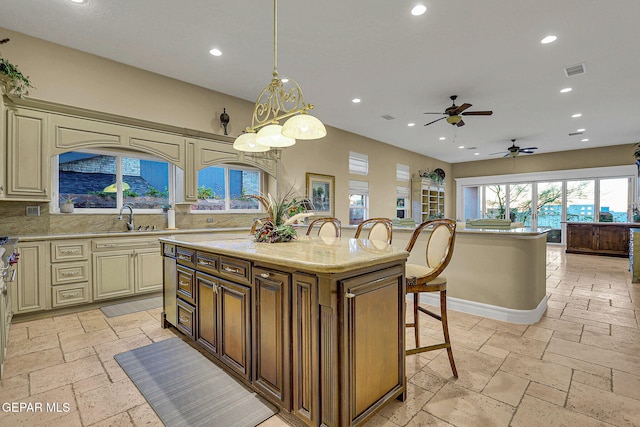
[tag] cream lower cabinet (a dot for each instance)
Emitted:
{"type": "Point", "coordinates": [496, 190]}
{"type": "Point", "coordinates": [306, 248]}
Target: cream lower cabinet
{"type": "Point", "coordinates": [70, 273]}
{"type": "Point", "coordinates": [30, 285]}
{"type": "Point", "coordinates": [124, 267]}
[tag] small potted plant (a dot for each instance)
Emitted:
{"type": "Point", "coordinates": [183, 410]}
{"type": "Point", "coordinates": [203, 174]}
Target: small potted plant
{"type": "Point", "coordinates": [636, 153]}
{"type": "Point", "coordinates": [15, 82]}
{"type": "Point", "coordinates": [67, 205]}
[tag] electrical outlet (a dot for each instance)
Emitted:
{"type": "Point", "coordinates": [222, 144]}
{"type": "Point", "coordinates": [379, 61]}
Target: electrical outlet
{"type": "Point", "coordinates": [209, 219]}
{"type": "Point", "coordinates": [33, 210]}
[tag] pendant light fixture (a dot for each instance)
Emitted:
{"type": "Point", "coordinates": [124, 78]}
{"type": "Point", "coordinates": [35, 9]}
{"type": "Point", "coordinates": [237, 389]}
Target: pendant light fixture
{"type": "Point", "coordinates": [278, 101]}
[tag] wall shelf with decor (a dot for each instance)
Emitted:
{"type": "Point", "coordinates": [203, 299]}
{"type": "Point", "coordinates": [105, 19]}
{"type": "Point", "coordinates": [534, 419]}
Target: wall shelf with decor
{"type": "Point", "coordinates": [427, 199]}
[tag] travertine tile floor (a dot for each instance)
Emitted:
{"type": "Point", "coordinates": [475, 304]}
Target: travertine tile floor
{"type": "Point", "coordinates": [578, 366]}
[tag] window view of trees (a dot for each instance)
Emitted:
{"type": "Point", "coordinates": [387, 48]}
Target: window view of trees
{"type": "Point", "coordinates": [92, 180]}
{"type": "Point", "coordinates": [222, 188]}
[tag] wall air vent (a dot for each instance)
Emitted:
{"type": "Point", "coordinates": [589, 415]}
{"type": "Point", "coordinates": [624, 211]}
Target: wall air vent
{"type": "Point", "coordinates": [575, 70]}
{"type": "Point", "coordinates": [388, 117]}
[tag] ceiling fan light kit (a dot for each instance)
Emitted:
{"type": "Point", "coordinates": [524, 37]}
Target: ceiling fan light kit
{"type": "Point", "coordinates": [277, 103]}
{"type": "Point", "coordinates": [455, 111]}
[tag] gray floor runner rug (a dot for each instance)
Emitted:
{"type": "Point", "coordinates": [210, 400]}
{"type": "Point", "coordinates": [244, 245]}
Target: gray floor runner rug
{"type": "Point", "coordinates": [187, 389]}
{"type": "Point", "coordinates": [129, 307]}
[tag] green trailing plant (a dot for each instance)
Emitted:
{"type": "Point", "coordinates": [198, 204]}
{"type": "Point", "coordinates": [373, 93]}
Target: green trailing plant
{"type": "Point", "coordinates": [636, 152]}
{"type": "Point", "coordinates": [17, 82]}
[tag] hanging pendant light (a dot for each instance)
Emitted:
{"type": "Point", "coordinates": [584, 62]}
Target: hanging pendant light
{"type": "Point", "coordinates": [278, 101]}
{"type": "Point", "coordinates": [247, 142]}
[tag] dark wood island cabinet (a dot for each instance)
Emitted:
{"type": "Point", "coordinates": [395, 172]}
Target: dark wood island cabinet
{"type": "Point", "coordinates": [316, 326]}
{"type": "Point", "coordinates": [599, 238]}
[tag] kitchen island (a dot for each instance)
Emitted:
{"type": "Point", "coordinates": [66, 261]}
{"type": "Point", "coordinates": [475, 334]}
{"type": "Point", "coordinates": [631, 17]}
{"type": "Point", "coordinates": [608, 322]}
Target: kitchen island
{"type": "Point", "coordinates": [316, 325]}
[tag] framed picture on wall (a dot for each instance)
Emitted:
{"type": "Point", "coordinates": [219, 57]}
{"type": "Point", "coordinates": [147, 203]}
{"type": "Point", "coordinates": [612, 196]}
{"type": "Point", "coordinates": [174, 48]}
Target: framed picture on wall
{"type": "Point", "coordinates": [321, 190]}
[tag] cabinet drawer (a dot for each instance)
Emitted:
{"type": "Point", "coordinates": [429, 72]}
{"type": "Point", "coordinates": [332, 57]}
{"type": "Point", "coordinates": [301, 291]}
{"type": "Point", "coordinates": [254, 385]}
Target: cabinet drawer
{"type": "Point", "coordinates": [64, 295]}
{"type": "Point", "coordinates": [207, 262]}
{"type": "Point", "coordinates": [111, 244]}
{"type": "Point", "coordinates": [69, 251]}
{"type": "Point", "coordinates": [186, 284]}
{"type": "Point", "coordinates": [235, 269]}
{"type": "Point", "coordinates": [69, 272]}
{"type": "Point", "coordinates": [186, 318]}
{"type": "Point", "coordinates": [186, 256]}
{"type": "Point", "coordinates": [168, 249]}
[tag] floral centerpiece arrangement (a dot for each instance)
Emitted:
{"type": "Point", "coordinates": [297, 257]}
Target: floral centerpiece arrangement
{"type": "Point", "coordinates": [282, 213]}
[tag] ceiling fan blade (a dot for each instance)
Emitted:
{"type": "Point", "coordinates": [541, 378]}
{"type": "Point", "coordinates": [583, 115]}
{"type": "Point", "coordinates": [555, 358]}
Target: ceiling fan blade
{"type": "Point", "coordinates": [461, 108]}
{"type": "Point", "coordinates": [527, 151]}
{"type": "Point", "coordinates": [437, 120]}
{"type": "Point", "coordinates": [460, 123]}
{"type": "Point", "coordinates": [434, 113]}
{"type": "Point", "coordinates": [478, 113]}
{"type": "Point", "coordinates": [499, 152]}
{"type": "Point", "coordinates": [529, 148]}
{"type": "Point", "coordinates": [507, 155]}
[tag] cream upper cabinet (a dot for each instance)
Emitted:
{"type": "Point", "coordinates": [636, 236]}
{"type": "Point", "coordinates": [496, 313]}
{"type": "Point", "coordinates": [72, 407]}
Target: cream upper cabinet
{"type": "Point", "coordinates": [27, 155]}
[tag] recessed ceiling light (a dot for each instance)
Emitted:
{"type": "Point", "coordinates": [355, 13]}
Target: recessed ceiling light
{"type": "Point", "coordinates": [215, 52]}
{"type": "Point", "coordinates": [580, 130]}
{"type": "Point", "coordinates": [584, 139]}
{"type": "Point", "coordinates": [356, 100]}
{"type": "Point", "coordinates": [565, 90]}
{"type": "Point", "coordinates": [442, 138]}
{"type": "Point", "coordinates": [577, 115]}
{"type": "Point", "coordinates": [418, 10]}
{"type": "Point", "coordinates": [78, 1]}
{"type": "Point", "coordinates": [548, 39]}
{"type": "Point", "coordinates": [411, 124]}
{"type": "Point", "coordinates": [476, 154]}
{"type": "Point", "coordinates": [460, 146]}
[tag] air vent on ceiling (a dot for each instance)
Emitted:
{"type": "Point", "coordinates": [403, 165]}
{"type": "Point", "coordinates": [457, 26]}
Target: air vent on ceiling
{"type": "Point", "coordinates": [575, 133]}
{"type": "Point", "coordinates": [575, 70]}
{"type": "Point", "coordinates": [388, 117]}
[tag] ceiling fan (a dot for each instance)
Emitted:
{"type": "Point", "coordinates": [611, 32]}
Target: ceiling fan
{"type": "Point", "coordinates": [455, 112]}
{"type": "Point", "coordinates": [514, 150]}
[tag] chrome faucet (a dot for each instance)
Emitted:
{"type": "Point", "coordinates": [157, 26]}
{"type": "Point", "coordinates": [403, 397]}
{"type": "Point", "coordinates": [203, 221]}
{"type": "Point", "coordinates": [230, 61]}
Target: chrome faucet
{"type": "Point", "coordinates": [130, 224]}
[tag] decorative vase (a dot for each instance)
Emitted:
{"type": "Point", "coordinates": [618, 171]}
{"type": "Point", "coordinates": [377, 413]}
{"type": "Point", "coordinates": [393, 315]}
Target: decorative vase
{"type": "Point", "coordinates": [66, 207]}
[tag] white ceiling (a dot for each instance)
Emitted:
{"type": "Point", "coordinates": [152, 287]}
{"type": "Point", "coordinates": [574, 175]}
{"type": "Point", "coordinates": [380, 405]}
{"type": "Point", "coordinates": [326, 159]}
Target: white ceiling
{"type": "Point", "coordinates": [486, 52]}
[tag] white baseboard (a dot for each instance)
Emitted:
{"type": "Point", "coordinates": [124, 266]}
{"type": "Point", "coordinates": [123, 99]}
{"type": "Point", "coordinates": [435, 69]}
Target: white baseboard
{"type": "Point", "coordinates": [524, 317]}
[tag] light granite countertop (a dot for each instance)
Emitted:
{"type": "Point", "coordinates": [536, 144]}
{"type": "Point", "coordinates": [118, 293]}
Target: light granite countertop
{"type": "Point", "coordinates": [98, 234]}
{"type": "Point", "coordinates": [314, 254]}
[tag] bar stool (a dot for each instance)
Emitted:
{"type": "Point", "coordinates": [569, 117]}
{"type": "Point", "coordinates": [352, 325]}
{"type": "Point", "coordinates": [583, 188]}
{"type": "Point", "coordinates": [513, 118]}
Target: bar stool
{"type": "Point", "coordinates": [330, 227]}
{"type": "Point", "coordinates": [430, 278]}
{"type": "Point", "coordinates": [379, 229]}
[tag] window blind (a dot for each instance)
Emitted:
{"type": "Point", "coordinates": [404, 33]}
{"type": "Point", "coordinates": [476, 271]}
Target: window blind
{"type": "Point", "coordinates": [402, 172]}
{"type": "Point", "coordinates": [402, 191]}
{"type": "Point", "coordinates": [358, 163]}
{"type": "Point", "coordinates": [358, 187]}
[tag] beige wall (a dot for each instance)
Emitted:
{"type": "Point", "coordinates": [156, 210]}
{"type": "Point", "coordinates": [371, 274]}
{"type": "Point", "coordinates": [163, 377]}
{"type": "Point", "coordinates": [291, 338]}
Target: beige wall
{"type": "Point", "coordinates": [75, 78]}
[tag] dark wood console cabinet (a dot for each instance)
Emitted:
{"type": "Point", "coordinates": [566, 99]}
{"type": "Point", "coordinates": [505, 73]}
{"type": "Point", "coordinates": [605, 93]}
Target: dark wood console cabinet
{"type": "Point", "coordinates": [600, 238]}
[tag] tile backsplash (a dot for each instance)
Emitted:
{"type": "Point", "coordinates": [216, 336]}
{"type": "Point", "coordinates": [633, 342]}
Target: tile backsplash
{"type": "Point", "coordinates": [15, 221]}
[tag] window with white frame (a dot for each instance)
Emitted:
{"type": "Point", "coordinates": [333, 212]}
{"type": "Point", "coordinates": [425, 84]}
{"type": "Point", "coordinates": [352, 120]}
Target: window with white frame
{"type": "Point", "coordinates": [402, 202]}
{"type": "Point", "coordinates": [358, 201]}
{"type": "Point", "coordinates": [358, 163]}
{"type": "Point", "coordinates": [104, 180]}
{"type": "Point", "coordinates": [224, 188]}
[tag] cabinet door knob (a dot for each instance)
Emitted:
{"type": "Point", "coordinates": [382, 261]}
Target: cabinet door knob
{"type": "Point", "coordinates": [349, 295]}
{"type": "Point", "coordinates": [264, 275]}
